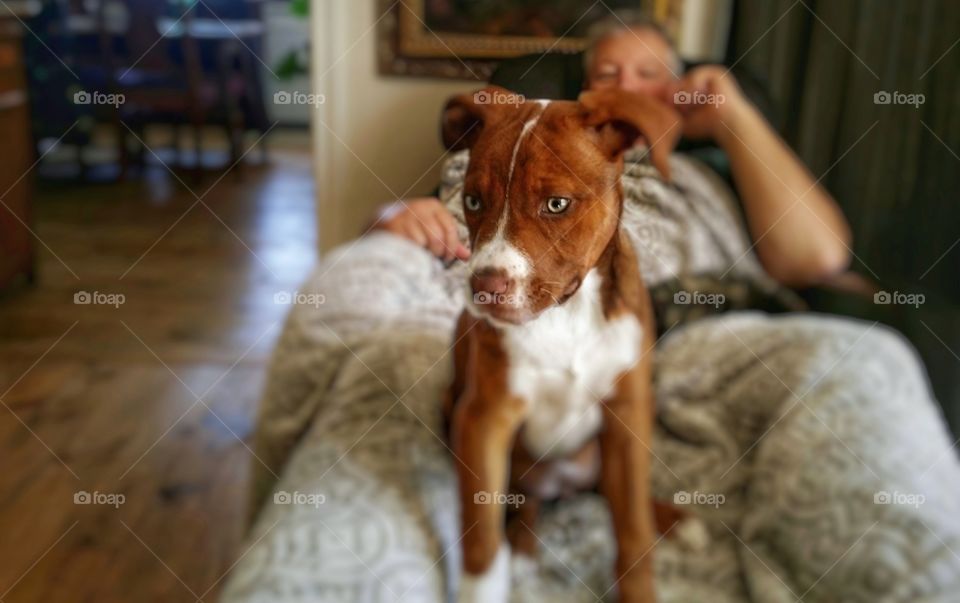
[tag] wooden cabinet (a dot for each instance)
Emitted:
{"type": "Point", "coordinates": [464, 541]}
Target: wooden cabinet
{"type": "Point", "coordinates": [16, 157]}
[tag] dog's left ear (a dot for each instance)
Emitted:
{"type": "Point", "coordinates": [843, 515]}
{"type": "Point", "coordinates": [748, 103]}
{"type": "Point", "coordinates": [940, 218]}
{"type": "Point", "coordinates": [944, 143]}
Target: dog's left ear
{"type": "Point", "coordinates": [465, 115]}
{"type": "Point", "coordinates": [621, 117]}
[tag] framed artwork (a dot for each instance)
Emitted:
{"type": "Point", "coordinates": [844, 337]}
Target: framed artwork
{"type": "Point", "coordinates": [463, 39]}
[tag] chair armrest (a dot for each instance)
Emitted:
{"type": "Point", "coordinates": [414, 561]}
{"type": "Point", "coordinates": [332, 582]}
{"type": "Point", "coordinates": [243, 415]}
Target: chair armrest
{"type": "Point", "coordinates": [852, 283]}
{"type": "Point", "coordinates": [848, 293]}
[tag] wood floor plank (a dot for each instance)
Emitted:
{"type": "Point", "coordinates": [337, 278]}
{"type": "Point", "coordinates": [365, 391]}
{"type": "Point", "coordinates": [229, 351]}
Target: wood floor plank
{"type": "Point", "coordinates": [107, 398]}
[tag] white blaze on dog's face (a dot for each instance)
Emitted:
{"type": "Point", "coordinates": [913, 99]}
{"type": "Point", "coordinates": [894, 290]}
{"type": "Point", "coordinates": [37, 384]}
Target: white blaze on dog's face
{"type": "Point", "coordinates": [541, 196]}
{"type": "Point", "coordinates": [497, 261]}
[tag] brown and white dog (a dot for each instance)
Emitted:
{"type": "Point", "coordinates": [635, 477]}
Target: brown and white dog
{"type": "Point", "coordinates": [552, 390]}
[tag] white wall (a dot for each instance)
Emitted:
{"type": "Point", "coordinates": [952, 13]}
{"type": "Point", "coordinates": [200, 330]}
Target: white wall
{"type": "Point", "coordinates": [704, 29]}
{"type": "Point", "coordinates": [375, 138]}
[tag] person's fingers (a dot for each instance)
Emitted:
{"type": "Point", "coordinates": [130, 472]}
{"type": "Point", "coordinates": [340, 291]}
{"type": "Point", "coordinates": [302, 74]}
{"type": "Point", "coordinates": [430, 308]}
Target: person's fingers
{"type": "Point", "coordinates": [451, 237]}
{"type": "Point", "coordinates": [423, 201]}
{"type": "Point", "coordinates": [436, 246]}
{"type": "Point", "coordinates": [426, 222]}
{"type": "Point", "coordinates": [410, 230]}
{"type": "Point", "coordinates": [438, 221]}
{"type": "Point", "coordinates": [435, 236]}
{"type": "Point", "coordinates": [696, 82]}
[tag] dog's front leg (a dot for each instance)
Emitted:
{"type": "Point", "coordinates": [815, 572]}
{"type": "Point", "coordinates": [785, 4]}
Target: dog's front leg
{"type": "Point", "coordinates": [624, 480]}
{"type": "Point", "coordinates": [484, 427]}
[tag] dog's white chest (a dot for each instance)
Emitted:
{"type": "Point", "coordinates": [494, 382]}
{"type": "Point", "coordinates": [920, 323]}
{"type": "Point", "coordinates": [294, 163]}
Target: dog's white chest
{"type": "Point", "coordinates": [564, 363]}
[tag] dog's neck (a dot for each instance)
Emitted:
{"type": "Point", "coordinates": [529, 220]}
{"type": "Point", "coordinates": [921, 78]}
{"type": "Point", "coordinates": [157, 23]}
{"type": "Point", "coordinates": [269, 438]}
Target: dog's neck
{"type": "Point", "coordinates": [618, 270]}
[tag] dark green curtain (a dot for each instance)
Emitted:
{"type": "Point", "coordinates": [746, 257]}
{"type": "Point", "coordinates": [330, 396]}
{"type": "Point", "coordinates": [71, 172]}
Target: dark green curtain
{"type": "Point", "coordinates": [895, 169]}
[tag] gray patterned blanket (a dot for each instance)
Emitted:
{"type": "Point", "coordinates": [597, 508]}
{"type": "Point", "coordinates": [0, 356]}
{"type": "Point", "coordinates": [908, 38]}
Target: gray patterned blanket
{"type": "Point", "coordinates": [809, 444]}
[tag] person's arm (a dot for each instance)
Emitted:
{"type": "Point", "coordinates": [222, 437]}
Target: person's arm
{"type": "Point", "coordinates": [426, 222]}
{"type": "Point", "coordinates": [799, 231]}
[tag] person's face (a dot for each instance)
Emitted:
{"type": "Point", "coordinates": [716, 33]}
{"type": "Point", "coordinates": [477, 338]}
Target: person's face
{"type": "Point", "coordinates": [636, 61]}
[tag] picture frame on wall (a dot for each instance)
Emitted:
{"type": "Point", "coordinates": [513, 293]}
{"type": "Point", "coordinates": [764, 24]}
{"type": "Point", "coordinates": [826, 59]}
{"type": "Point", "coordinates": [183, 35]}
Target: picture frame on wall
{"type": "Point", "coordinates": [464, 39]}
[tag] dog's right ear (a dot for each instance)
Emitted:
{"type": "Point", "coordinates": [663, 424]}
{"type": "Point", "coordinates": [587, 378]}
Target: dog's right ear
{"type": "Point", "coordinates": [620, 117]}
{"type": "Point", "coordinates": [465, 115]}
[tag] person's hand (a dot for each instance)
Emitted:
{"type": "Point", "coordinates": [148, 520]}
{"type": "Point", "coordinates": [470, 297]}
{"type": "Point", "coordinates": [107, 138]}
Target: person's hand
{"type": "Point", "coordinates": [426, 222]}
{"type": "Point", "coordinates": [707, 96]}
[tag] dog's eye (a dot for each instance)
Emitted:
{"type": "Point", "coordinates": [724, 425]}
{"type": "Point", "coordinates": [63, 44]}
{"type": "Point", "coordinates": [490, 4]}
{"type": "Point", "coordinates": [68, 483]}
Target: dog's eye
{"type": "Point", "coordinates": [471, 202]}
{"type": "Point", "coordinates": [557, 205]}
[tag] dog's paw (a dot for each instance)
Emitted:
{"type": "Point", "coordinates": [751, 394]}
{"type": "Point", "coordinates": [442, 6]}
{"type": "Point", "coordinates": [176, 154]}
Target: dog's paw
{"type": "Point", "coordinates": [522, 567]}
{"type": "Point", "coordinates": [692, 534]}
{"type": "Point", "coordinates": [492, 586]}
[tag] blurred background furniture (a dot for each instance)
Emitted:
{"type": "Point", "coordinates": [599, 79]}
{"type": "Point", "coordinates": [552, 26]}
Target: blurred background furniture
{"type": "Point", "coordinates": [16, 189]}
{"type": "Point", "coordinates": [179, 64]}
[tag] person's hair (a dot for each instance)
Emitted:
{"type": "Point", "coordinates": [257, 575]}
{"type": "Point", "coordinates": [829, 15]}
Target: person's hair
{"type": "Point", "coordinates": [622, 21]}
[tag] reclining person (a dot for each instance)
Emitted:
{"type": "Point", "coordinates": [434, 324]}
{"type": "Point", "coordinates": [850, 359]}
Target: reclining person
{"type": "Point", "coordinates": [799, 233]}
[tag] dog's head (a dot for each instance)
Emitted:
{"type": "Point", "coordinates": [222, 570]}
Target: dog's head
{"type": "Point", "coordinates": [542, 192]}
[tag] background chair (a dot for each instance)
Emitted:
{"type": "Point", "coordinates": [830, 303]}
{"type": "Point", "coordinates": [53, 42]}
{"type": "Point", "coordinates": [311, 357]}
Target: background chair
{"type": "Point", "coordinates": [162, 79]}
{"type": "Point", "coordinates": [176, 64]}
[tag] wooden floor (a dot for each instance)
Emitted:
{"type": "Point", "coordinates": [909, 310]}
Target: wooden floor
{"type": "Point", "coordinates": [152, 400]}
